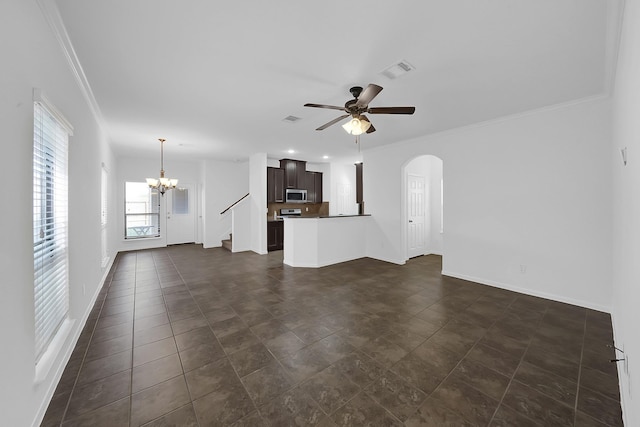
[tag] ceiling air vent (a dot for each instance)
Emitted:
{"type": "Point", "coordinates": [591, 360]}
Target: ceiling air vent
{"type": "Point", "coordinates": [291, 119]}
{"type": "Point", "coordinates": [397, 70]}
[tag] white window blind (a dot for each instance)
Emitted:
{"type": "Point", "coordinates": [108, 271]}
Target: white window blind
{"type": "Point", "coordinates": [51, 291]}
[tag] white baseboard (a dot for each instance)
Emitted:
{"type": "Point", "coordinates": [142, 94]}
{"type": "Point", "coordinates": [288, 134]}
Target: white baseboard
{"type": "Point", "coordinates": [621, 373]}
{"type": "Point", "coordinates": [532, 292]}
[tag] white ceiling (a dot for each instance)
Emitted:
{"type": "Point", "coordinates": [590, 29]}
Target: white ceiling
{"type": "Point", "coordinates": [217, 78]}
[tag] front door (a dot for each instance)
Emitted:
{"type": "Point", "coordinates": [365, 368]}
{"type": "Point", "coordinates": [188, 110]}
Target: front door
{"type": "Point", "coordinates": [416, 215]}
{"type": "Point", "coordinates": [181, 218]}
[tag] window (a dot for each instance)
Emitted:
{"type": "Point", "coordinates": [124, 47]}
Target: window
{"type": "Point", "coordinates": [50, 259]}
{"type": "Point", "coordinates": [180, 201]}
{"type": "Point", "coordinates": [142, 211]}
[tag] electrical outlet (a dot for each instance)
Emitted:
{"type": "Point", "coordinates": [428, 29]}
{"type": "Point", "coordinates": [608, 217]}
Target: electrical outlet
{"type": "Point", "coordinates": [84, 289]}
{"type": "Point", "coordinates": [523, 268]}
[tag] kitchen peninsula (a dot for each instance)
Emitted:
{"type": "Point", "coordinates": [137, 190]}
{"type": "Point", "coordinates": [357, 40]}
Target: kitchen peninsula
{"type": "Point", "coordinates": [325, 240]}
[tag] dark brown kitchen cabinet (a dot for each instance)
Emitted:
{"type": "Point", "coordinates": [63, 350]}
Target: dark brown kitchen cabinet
{"type": "Point", "coordinates": [275, 235]}
{"type": "Point", "coordinates": [275, 185]}
{"type": "Point", "coordinates": [314, 187]}
{"type": "Point", "coordinates": [294, 173]}
{"type": "Point", "coordinates": [359, 183]}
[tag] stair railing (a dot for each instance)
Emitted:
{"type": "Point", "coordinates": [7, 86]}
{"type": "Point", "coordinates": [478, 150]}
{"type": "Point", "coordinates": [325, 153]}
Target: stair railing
{"type": "Point", "coordinates": [234, 203]}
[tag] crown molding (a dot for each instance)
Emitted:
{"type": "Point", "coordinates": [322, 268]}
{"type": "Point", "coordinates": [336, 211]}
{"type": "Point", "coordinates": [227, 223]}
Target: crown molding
{"type": "Point", "coordinates": [615, 15]}
{"type": "Point", "coordinates": [52, 15]}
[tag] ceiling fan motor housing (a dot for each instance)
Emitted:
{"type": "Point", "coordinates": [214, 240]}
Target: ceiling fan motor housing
{"type": "Point", "coordinates": [351, 107]}
{"type": "Point", "coordinates": [356, 91]}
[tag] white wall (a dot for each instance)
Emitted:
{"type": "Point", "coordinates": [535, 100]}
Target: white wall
{"type": "Point", "coordinates": [241, 226]}
{"type": "Point", "coordinates": [31, 57]}
{"type": "Point", "coordinates": [435, 241]}
{"type": "Point", "coordinates": [529, 190]}
{"type": "Point", "coordinates": [626, 212]}
{"type": "Point", "coordinates": [224, 184]}
{"type": "Point", "coordinates": [258, 200]}
{"type": "Point", "coordinates": [137, 169]}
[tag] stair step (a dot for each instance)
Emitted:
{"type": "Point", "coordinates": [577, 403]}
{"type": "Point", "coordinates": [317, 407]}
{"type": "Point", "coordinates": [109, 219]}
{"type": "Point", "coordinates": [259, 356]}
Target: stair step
{"type": "Point", "coordinates": [227, 244]}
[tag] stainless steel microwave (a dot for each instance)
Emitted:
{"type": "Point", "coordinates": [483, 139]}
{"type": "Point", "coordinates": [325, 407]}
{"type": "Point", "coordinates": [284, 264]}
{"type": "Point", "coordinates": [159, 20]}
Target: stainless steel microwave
{"type": "Point", "coordinates": [294, 195]}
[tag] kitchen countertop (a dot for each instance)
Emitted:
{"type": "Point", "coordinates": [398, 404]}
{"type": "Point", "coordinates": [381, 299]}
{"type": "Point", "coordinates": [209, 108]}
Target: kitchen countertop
{"type": "Point", "coordinates": [335, 216]}
{"type": "Point", "coordinates": [315, 217]}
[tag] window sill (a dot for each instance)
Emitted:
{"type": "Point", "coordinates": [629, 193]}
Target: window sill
{"type": "Point", "coordinates": [142, 239]}
{"type": "Point", "coordinates": [44, 365]}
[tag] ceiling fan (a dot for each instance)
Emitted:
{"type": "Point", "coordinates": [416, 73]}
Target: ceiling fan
{"type": "Point", "coordinates": [355, 108]}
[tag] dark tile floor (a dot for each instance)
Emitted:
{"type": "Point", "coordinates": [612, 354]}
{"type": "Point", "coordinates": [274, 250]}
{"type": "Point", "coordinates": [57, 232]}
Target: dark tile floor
{"type": "Point", "coordinates": [191, 337]}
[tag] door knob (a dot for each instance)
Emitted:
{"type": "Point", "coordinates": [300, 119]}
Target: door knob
{"type": "Point", "coordinates": [410, 220]}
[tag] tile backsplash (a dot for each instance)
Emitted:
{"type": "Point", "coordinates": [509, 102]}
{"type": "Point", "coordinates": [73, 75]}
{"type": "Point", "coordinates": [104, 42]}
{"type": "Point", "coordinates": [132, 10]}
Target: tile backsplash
{"type": "Point", "coordinates": [308, 209]}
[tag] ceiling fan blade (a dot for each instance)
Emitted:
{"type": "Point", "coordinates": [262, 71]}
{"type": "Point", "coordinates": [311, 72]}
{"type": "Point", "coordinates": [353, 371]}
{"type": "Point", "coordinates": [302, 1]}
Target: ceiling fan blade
{"type": "Point", "coordinates": [368, 94]}
{"type": "Point", "coordinates": [391, 110]}
{"type": "Point", "coordinates": [371, 129]}
{"type": "Point", "coordinates": [331, 107]}
{"type": "Point", "coordinates": [332, 122]}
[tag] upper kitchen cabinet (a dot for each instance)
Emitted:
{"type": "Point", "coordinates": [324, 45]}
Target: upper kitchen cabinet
{"type": "Point", "coordinates": [294, 173]}
{"type": "Point", "coordinates": [314, 186]}
{"type": "Point", "coordinates": [275, 185]}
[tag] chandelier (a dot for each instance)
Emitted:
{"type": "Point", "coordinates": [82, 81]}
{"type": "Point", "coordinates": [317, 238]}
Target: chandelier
{"type": "Point", "coordinates": [162, 184]}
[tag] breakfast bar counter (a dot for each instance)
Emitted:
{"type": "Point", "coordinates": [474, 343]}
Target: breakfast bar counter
{"type": "Point", "coordinates": [324, 240]}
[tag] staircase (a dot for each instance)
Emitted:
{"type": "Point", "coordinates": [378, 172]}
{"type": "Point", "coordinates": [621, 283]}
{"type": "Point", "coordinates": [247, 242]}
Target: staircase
{"type": "Point", "coordinates": [227, 243]}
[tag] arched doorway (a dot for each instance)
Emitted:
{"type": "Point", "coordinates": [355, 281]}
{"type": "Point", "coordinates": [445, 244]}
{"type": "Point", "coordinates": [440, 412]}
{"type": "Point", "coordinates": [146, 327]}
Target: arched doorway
{"type": "Point", "coordinates": [423, 206]}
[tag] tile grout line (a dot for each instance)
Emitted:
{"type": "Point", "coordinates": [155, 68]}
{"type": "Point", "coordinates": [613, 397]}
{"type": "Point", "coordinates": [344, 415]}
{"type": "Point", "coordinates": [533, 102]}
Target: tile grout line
{"type": "Point", "coordinates": [512, 377]}
{"type": "Point", "coordinates": [216, 338]}
{"type": "Point", "coordinates": [203, 277]}
{"type": "Point", "coordinates": [86, 350]}
{"type": "Point", "coordinates": [277, 360]}
{"type": "Point", "coordinates": [515, 371]}
{"type": "Point", "coordinates": [457, 364]}
{"type": "Point", "coordinates": [133, 334]}
{"type": "Point", "coordinates": [173, 335]}
{"type": "Point", "coordinates": [584, 336]}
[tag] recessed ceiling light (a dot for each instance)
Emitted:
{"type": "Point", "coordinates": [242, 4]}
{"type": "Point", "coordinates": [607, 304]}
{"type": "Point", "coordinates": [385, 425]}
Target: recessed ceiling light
{"type": "Point", "coordinates": [325, 157]}
{"type": "Point", "coordinates": [291, 151]}
{"type": "Point", "coordinates": [397, 70]}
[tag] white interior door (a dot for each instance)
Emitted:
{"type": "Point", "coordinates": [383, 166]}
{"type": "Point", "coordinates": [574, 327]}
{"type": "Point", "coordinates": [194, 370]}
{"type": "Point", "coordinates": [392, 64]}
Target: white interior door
{"type": "Point", "coordinates": [181, 215]}
{"type": "Point", "coordinates": [416, 215]}
{"type": "Point", "coordinates": [345, 202]}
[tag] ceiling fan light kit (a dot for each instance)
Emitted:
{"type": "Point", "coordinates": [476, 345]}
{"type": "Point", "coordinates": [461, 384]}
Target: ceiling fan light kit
{"type": "Point", "coordinates": [356, 108]}
{"type": "Point", "coordinates": [357, 125]}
